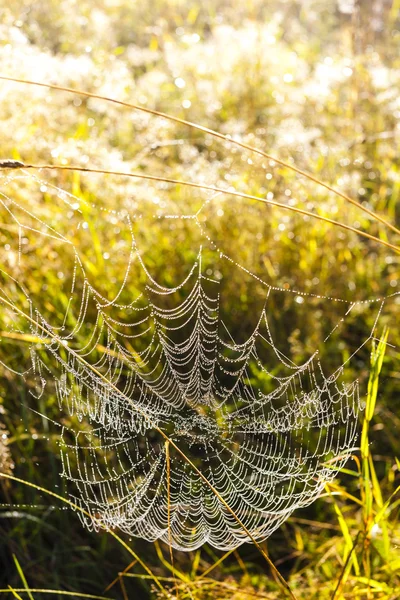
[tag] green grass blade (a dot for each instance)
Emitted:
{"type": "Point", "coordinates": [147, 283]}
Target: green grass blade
{"type": "Point", "coordinates": [348, 540]}
{"type": "Point", "coordinates": [14, 593]}
{"type": "Point", "coordinates": [23, 578]}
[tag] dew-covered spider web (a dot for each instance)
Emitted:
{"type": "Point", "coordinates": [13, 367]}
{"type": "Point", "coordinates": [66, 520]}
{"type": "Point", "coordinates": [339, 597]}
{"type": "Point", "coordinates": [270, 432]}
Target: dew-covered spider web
{"type": "Point", "coordinates": [184, 387]}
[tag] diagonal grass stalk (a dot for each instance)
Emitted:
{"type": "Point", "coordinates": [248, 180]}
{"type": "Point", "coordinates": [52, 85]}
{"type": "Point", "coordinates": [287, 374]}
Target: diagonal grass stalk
{"type": "Point", "coordinates": [213, 133]}
{"type": "Point", "coordinates": [212, 188]}
{"type": "Point", "coordinates": [48, 591]}
{"type": "Point", "coordinates": [23, 578]}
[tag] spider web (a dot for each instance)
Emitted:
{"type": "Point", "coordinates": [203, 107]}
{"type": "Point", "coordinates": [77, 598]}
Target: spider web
{"type": "Point", "coordinates": [136, 370]}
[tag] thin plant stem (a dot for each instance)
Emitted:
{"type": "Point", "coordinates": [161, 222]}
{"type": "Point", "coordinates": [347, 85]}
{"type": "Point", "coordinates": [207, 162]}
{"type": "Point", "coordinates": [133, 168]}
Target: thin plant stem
{"type": "Point", "coordinates": [23, 578]}
{"type": "Point", "coordinates": [171, 554]}
{"type": "Point", "coordinates": [58, 592]}
{"type": "Point", "coordinates": [14, 593]}
{"type": "Point", "coordinates": [212, 188]}
{"type": "Point", "coordinates": [211, 132]}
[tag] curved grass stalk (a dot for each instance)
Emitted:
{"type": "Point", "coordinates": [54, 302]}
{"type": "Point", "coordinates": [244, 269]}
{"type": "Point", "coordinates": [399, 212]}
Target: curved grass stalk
{"type": "Point", "coordinates": [212, 188]}
{"type": "Point", "coordinates": [213, 133]}
{"type": "Point", "coordinates": [82, 510]}
{"type": "Point", "coordinates": [280, 579]}
{"type": "Point", "coordinates": [58, 592]}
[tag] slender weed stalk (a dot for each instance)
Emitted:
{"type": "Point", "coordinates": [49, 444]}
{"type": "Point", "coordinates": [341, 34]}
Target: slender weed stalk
{"type": "Point", "coordinates": [23, 578]}
{"type": "Point", "coordinates": [217, 189]}
{"type": "Point", "coordinates": [17, 591]}
{"type": "Point", "coordinates": [213, 133]}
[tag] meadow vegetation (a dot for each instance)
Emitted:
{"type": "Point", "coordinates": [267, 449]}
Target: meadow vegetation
{"type": "Point", "coordinates": [313, 84]}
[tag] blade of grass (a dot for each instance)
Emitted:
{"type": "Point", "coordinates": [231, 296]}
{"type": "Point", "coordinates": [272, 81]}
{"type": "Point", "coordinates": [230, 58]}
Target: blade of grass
{"type": "Point", "coordinates": [377, 494]}
{"type": "Point", "coordinates": [381, 513]}
{"type": "Point", "coordinates": [348, 540]}
{"type": "Point", "coordinates": [123, 588]}
{"type": "Point", "coordinates": [14, 593]}
{"type": "Point", "coordinates": [378, 585]}
{"type": "Point", "coordinates": [335, 489]}
{"type": "Point", "coordinates": [23, 578]}
{"type": "Point", "coordinates": [346, 568]}
{"type": "Point", "coordinates": [195, 564]}
{"type": "Point", "coordinates": [242, 566]}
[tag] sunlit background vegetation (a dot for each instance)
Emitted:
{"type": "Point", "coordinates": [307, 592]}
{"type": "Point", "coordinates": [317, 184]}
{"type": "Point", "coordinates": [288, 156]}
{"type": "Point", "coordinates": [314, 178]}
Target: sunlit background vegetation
{"type": "Point", "coordinates": [314, 83]}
